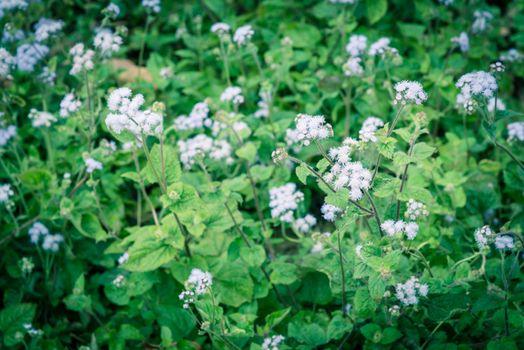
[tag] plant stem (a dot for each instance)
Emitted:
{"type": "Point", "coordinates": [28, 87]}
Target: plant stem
{"type": "Point", "coordinates": [143, 190]}
{"type": "Point", "coordinates": [375, 212]}
{"type": "Point", "coordinates": [509, 153]}
{"type": "Point", "coordinates": [347, 104]}
{"type": "Point", "coordinates": [506, 292]}
{"type": "Point", "coordinates": [342, 272]}
{"type": "Point", "coordinates": [225, 60]}
{"type": "Point", "coordinates": [405, 174]}
{"type": "Point", "coordinates": [323, 151]}
{"type": "Point", "coordinates": [142, 47]}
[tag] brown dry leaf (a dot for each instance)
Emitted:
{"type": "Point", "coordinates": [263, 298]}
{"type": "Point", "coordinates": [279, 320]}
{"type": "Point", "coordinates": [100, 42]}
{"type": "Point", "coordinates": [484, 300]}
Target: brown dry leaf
{"type": "Point", "coordinates": [131, 72]}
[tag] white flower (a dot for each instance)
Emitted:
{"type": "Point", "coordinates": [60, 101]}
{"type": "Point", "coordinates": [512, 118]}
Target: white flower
{"type": "Point", "coordinates": [330, 212]}
{"type": "Point", "coordinates": [318, 247]}
{"type": "Point", "coordinates": [127, 116]}
{"type": "Point", "coordinates": [243, 35]}
{"type": "Point", "coordinates": [381, 47]}
{"type": "Point", "coordinates": [204, 146]}
{"type": "Point", "coordinates": [32, 331]}
{"type": "Point", "coordinates": [232, 94]}
{"type": "Point", "coordinates": [516, 131]}
{"type": "Point", "coordinates": [513, 55]}
{"type": "Point", "coordinates": [357, 45]}
{"type": "Point", "coordinates": [82, 59]}
{"type": "Point", "coordinates": [28, 55]}
{"type": "Point", "coordinates": [199, 281]}
{"type": "Point", "coordinates": [462, 41]}
{"type": "Point", "coordinates": [305, 224]}
{"type": "Point", "coordinates": [7, 134]}
{"type": "Point", "coordinates": [40, 119]}
{"type": "Point", "coordinates": [220, 28]}
{"type": "Point", "coordinates": [391, 227]}
{"type": "Point", "coordinates": [266, 97]}
{"type": "Point", "coordinates": [369, 128]}
{"type": "Point", "coordinates": [68, 105]}
{"type": "Point", "coordinates": [501, 106]}
{"type": "Point", "coordinates": [196, 119]}
{"type": "Point", "coordinates": [6, 62]}
{"type": "Point", "coordinates": [92, 165]}
{"type": "Point", "coordinates": [151, 5]}
{"type": "Point", "coordinates": [409, 292]}
{"type": "Point", "coordinates": [36, 231]}
{"type": "Point", "coordinates": [504, 242]}
{"type": "Point", "coordinates": [480, 23]}
{"type": "Point", "coordinates": [107, 42]}
{"type": "Point", "coordinates": [497, 67]}
{"type": "Point", "coordinates": [483, 235]}
{"type": "Point", "coordinates": [5, 193]}
{"type": "Point", "coordinates": [47, 76]}
{"type": "Point", "coordinates": [123, 258]}
{"type": "Point", "coordinates": [477, 84]}
{"type": "Point", "coordinates": [166, 72]}
{"type": "Point", "coordinates": [10, 5]}
{"type": "Point", "coordinates": [411, 230]}
{"type": "Point", "coordinates": [311, 127]}
{"type": "Point", "coordinates": [113, 10]}
{"type": "Point", "coordinates": [353, 67]}
{"type": "Point", "coordinates": [11, 35]}
{"type": "Point", "coordinates": [284, 200]}
{"type": "Point", "coordinates": [119, 281]}
{"type": "Point", "coordinates": [52, 242]}
{"type": "Point", "coordinates": [409, 92]}
{"type": "Point", "coordinates": [272, 343]}
{"type": "Point", "coordinates": [415, 210]}
{"type": "Point", "coordinates": [45, 28]}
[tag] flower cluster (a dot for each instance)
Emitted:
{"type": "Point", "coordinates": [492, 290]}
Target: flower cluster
{"type": "Point", "coordinates": [69, 105]}
{"type": "Point", "coordinates": [409, 92]}
{"type": "Point", "coordinates": [408, 293]}
{"type": "Point", "coordinates": [198, 118]}
{"type": "Point", "coordinates": [284, 200]}
{"type": "Point", "coordinates": [353, 67]}
{"type": "Point", "coordinates": [482, 19]}
{"type": "Point", "coordinates": [392, 228]}
{"type": "Point", "coordinates": [6, 62]}
{"type": "Point", "coordinates": [272, 343]}
{"type": "Point", "coordinates": [415, 210]}
{"type": "Point", "coordinates": [232, 94]}
{"type": "Point", "coordinates": [381, 48]}
{"type": "Point", "coordinates": [38, 232]}
{"type": "Point", "coordinates": [483, 235]}
{"type": "Point", "coordinates": [28, 56]}
{"type": "Point", "coordinates": [197, 284]}
{"type": "Point", "coordinates": [152, 6]}
{"type": "Point", "coordinates": [264, 104]}
{"type": "Point", "coordinates": [107, 42]}
{"type": "Point", "coordinates": [243, 35]}
{"type": "Point", "coordinates": [40, 119]}
{"type": "Point", "coordinates": [311, 128]}
{"type": "Point", "coordinates": [82, 59]}
{"type": "Point", "coordinates": [45, 28]}
{"type": "Point", "coordinates": [515, 131]}
{"type": "Point", "coordinates": [513, 55]}
{"type": "Point", "coordinates": [6, 192]}
{"type": "Point", "coordinates": [305, 224]}
{"type": "Point", "coordinates": [330, 212]}
{"type": "Point", "coordinates": [92, 165]}
{"type": "Point", "coordinates": [7, 134]}
{"type": "Point", "coordinates": [204, 146]}
{"type": "Point", "coordinates": [369, 128]}
{"type": "Point", "coordinates": [32, 331]}
{"type": "Point", "coordinates": [220, 29]}
{"type": "Point", "coordinates": [504, 242]}
{"type": "Point", "coordinates": [462, 41]}
{"type": "Point", "coordinates": [127, 116]}
{"type": "Point", "coordinates": [476, 84]}
{"type": "Point", "coordinates": [119, 281]}
{"type": "Point", "coordinates": [357, 45]}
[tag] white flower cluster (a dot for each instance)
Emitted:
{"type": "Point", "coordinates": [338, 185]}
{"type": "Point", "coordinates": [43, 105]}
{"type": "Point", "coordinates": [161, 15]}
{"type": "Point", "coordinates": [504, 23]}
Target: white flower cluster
{"type": "Point", "coordinates": [483, 235]}
{"type": "Point", "coordinates": [11, 5]}
{"type": "Point", "coordinates": [513, 55]}
{"type": "Point", "coordinates": [504, 242]}
{"type": "Point", "coordinates": [119, 281]}
{"type": "Point", "coordinates": [381, 47]}
{"type": "Point", "coordinates": [392, 228]}
{"type": "Point", "coordinates": [353, 67]}
{"type": "Point", "coordinates": [127, 116]}
{"type": "Point", "coordinates": [415, 210]}
{"type": "Point", "coordinates": [272, 343]}
{"type": "Point", "coordinates": [112, 10]}
{"type": "Point", "coordinates": [107, 42]}
{"type": "Point", "coordinates": [482, 19]}
{"type": "Point", "coordinates": [82, 59]}
{"type": "Point", "coordinates": [69, 105]}
{"type": "Point", "coordinates": [409, 92]}
{"type": "Point", "coordinates": [220, 29]}
{"type": "Point", "coordinates": [515, 131]}
{"type": "Point", "coordinates": [320, 239]}
{"type": "Point", "coordinates": [6, 192]}
{"type": "Point", "coordinates": [38, 232]}
{"type": "Point", "coordinates": [266, 98]}
{"type": "Point", "coordinates": [409, 292]}
{"type": "Point", "coordinates": [497, 67]}
{"type": "Point", "coordinates": [32, 331]}
{"type": "Point", "coordinates": [7, 134]}
{"type": "Point", "coordinates": [47, 77]}
{"type": "Point", "coordinates": [311, 128]}
{"type": "Point", "coordinates": [330, 212]}
{"type": "Point", "coordinates": [45, 28]}
{"type": "Point", "coordinates": [369, 128]}
{"type": "Point", "coordinates": [166, 73]}
{"type": "Point", "coordinates": [284, 200]}
{"type": "Point", "coordinates": [196, 119]}
{"type": "Point", "coordinates": [501, 106]}
{"type": "Point", "coordinates": [152, 6]}
{"type": "Point", "coordinates": [243, 35]}
{"type": "Point", "coordinates": [357, 45]}
{"type": "Point", "coordinates": [28, 55]}
{"type": "Point", "coordinates": [197, 284]}
{"type": "Point", "coordinates": [40, 119]}
{"type": "Point", "coordinates": [6, 62]}
{"type": "Point", "coordinates": [11, 35]}
{"type": "Point", "coordinates": [476, 84]}
{"type": "Point", "coordinates": [204, 146]}
{"type": "Point", "coordinates": [305, 224]}
{"type": "Point", "coordinates": [346, 173]}
{"type": "Point", "coordinates": [462, 41]}
{"type": "Point", "coordinates": [232, 94]}
{"type": "Point", "coordinates": [92, 165]}
{"type": "Point", "coordinates": [122, 259]}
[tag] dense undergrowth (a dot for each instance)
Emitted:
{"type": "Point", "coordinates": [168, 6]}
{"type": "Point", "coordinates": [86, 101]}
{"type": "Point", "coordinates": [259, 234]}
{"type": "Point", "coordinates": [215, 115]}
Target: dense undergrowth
{"type": "Point", "coordinates": [261, 174]}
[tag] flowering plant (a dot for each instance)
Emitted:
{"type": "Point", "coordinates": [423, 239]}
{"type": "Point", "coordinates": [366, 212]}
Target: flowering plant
{"type": "Point", "coordinates": [318, 174]}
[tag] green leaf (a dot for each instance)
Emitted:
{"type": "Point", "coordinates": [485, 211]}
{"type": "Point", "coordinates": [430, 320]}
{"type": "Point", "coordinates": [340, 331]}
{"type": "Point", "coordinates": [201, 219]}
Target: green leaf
{"type": "Point", "coordinates": [376, 9]}
{"type": "Point", "coordinates": [377, 286]}
{"type": "Point", "coordinates": [254, 256]}
{"type": "Point", "coordinates": [339, 199]}
{"type": "Point", "coordinates": [389, 335]}
{"type": "Point", "coordinates": [364, 305]}
{"type": "Point", "coordinates": [247, 152]}
{"type": "Point", "coordinates": [302, 173]}
{"type": "Point", "coordinates": [234, 285]}
{"type": "Point", "coordinates": [152, 172]}
{"type": "Point", "coordinates": [372, 332]}
{"type": "Point", "coordinates": [283, 273]}
{"type": "Point", "coordinates": [77, 300]}
{"type": "Point", "coordinates": [276, 317]}
{"type": "Point", "coordinates": [422, 151]}
{"type": "Point", "coordinates": [12, 320]}
{"type": "Point", "coordinates": [179, 321]}
{"type": "Point", "coordinates": [89, 225]}
{"type": "Point", "coordinates": [36, 179]}
{"type": "Point", "coordinates": [150, 253]}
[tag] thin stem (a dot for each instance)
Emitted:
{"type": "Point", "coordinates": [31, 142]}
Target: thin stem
{"type": "Point", "coordinates": [143, 190]}
{"type": "Point", "coordinates": [509, 153]}
{"type": "Point", "coordinates": [506, 292]}
{"type": "Point", "coordinates": [347, 104]}
{"type": "Point", "coordinates": [142, 46]}
{"type": "Point", "coordinates": [225, 60]}
{"type": "Point", "coordinates": [323, 151]}
{"type": "Point", "coordinates": [342, 272]}
{"type": "Point", "coordinates": [375, 212]}
{"type": "Point", "coordinates": [49, 148]}
{"type": "Point", "coordinates": [405, 173]}
{"type": "Point", "coordinates": [465, 128]}
{"type": "Point", "coordinates": [257, 61]}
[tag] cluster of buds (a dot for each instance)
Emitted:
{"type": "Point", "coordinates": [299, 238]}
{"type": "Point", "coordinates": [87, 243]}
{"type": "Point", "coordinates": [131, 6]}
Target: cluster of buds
{"type": "Point", "coordinates": [497, 67]}
{"type": "Point", "coordinates": [279, 155]}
